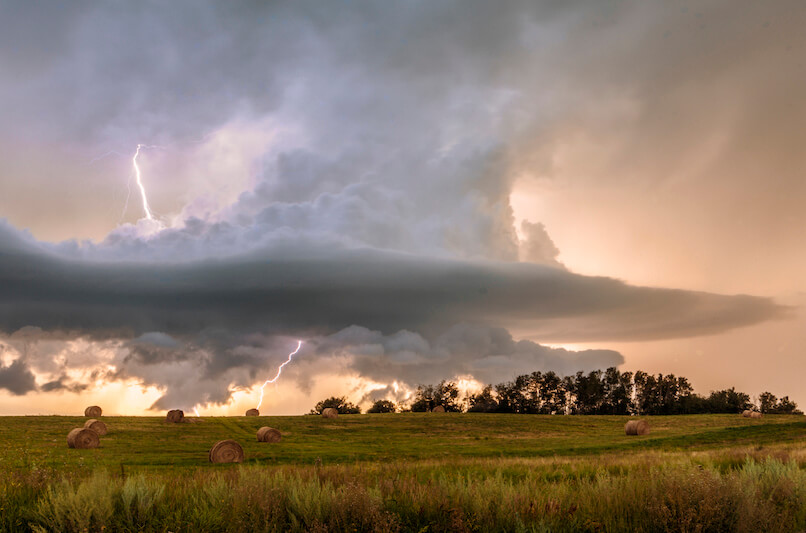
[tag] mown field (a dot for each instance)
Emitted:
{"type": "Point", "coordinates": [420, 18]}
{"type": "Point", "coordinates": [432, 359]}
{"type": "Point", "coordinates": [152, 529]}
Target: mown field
{"type": "Point", "coordinates": [409, 472]}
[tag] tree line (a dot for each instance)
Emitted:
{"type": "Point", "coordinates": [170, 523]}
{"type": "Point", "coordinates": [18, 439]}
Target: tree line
{"type": "Point", "coordinates": [608, 392]}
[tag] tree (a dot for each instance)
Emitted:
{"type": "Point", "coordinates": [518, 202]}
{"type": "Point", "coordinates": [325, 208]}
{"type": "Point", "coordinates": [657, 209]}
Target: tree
{"type": "Point", "coordinates": [382, 406]}
{"type": "Point", "coordinates": [767, 402]}
{"type": "Point", "coordinates": [788, 407]}
{"type": "Point", "coordinates": [508, 397]}
{"type": "Point", "coordinates": [446, 394]}
{"type": "Point", "coordinates": [728, 401]}
{"type": "Point", "coordinates": [618, 392]}
{"type": "Point", "coordinates": [671, 391]}
{"type": "Point", "coordinates": [482, 402]}
{"type": "Point", "coordinates": [423, 399]}
{"type": "Point", "coordinates": [514, 396]}
{"type": "Point", "coordinates": [339, 403]}
{"type": "Point", "coordinates": [590, 393]}
{"type": "Point", "coordinates": [694, 404]}
{"type": "Point", "coordinates": [645, 393]}
{"type": "Point", "coordinates": [553, 393]}
{"type": "Point", "coordinates": [662, 395]}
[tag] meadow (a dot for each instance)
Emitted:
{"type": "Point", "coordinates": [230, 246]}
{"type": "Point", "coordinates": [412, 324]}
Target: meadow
{"type": "Point", "coordinates": [409, 472]}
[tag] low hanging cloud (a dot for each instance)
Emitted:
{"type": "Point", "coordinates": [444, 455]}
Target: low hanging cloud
{"type": "Point", "coordinates": [298, 291]}
{"type": "Point", "coordinates": [489, 354]}
{"type": "Point", "coordinates": [203, 328]}
{"type": "Point", "coordinates": [17, 378]}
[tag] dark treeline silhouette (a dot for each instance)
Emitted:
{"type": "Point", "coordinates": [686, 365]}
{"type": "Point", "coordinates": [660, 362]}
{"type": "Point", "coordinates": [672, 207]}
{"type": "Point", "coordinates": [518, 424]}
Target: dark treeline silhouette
{"type": "Point", "coordinates": [609, 392]}
{"type": "Point", "coordinates": [339, 403]}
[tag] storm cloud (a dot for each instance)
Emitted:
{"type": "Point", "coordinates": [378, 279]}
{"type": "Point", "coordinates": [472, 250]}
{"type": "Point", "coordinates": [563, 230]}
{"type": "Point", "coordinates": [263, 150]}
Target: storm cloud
{"type": "Point", "coordinates": [368, 207]}
{"type": "Point", "coordinates": [319, 291]}
{"type": "Point", "coordinates": [204, 327]}
{"type": "Point", "coordinates": [17, 378]}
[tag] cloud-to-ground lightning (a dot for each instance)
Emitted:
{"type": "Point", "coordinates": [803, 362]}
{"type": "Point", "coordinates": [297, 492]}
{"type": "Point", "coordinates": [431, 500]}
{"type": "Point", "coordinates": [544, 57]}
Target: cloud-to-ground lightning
{"type": "Point", "coordinates": [147, 210]}
{"type": "Point", "coordinates": [126, 203]}
{"type": "Point", "coordinates": [279, 371]}
{"type": "Point", "coordinates": [138, 176]}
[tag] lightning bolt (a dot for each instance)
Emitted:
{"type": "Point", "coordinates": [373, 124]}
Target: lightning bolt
{"type": "Point", "coordinates": [279, 371]}
{"type": "Point", "coordinates": [128, 195]}
{"type": "Point", "coordinates": [147, 210]}
{"type": "Point", "coordinates": [197, 411]}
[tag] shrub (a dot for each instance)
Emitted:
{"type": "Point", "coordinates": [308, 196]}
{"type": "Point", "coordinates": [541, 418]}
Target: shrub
{"type": "Point", "coordinates": [382, 406]}
{"type": "Point", "coordinates": [339, 403]}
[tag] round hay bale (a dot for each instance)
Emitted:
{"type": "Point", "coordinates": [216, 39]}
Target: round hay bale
{"type": "Point", "coordinates": [226, 451]}
{"type": "Point", "coordinates": [267, 434]}
{"type": "Point", "coordinates": [96, 425]}
{"type": "Point", "coordinates": [438, 409]}
{"type": "Point", "coordinates": [175, 416]}
{"type": "Point", "coordinates": [746, 413]}
{"type": "Point", "coordinates": [93, 411]}
{"type": "Point", "coordinates": [755, 414]}
{"type": "Point", "coordinates": [636, 427]}
{"type": "Point", "coordinates": [83, 438]}
{"type": "Point", "coordinates": [330, 412]}
{"type": "Point", "coordinates": [252, 412]}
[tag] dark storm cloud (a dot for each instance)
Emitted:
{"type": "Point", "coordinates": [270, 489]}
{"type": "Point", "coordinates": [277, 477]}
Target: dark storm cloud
{"type": "Point", "coordinates": [488, 354]}
{"type": "Point", "coordinates": [201, 327]}
{"type": "Point", "coordinates": [178, 71]}
{"type": "Point", "coordinates": [63, 383]}
{"type": "Point", "coordinates": [140, 71]}
{"type": "Point", "coordinates": [17, 378]}
{"type": "Point", "coordinates": [323, 291]}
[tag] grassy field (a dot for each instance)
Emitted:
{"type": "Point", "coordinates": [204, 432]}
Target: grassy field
{"type": "Point", "coordinates": [409, 472]}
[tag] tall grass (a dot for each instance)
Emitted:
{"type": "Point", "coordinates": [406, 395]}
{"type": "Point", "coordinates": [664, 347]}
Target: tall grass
{"type": "Point", "coordinates": [735, 490]}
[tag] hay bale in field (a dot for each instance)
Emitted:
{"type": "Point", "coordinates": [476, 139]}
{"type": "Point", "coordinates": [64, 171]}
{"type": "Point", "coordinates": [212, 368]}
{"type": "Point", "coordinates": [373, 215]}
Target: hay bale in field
{"type": "Point", "coordinates": [746, 413]}
{"type": "Point", "coordinates": [755, 414]}
{"type": "Point", "coordinates": [93, 411]}
{"type": "Point", "coordinates": [226, 451]}
{"type": "Point", "coordinates": [267, 434]}
{"type": "Point", "coordinates": [96, 425]}
{"type": "Point", "coordinates": [175, 416]}
{"type": "Point", "coordinates": [636, 427]}
{"type": "Point", "coordinates": [438, 409]}
{"type": "Point", "coordinates": [83, 438]}
{"type": "Point", "coordinates": [252, 412]}
{"type": "Point", "coordinates": [330, 412]}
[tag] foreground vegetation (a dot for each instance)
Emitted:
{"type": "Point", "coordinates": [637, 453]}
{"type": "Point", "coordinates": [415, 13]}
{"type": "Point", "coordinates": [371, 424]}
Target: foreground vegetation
{"type": "Point", "coordinates": [409, 472]}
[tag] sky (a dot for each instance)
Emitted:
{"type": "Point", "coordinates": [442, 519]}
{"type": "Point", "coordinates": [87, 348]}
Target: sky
{"type": "Point", "coordinates": [417, 191]}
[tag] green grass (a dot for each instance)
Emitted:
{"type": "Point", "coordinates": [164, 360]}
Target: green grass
{"type": "Point", "coordinates": [409, 472]}
{"type": "Point", "coordinates": [151, 443]}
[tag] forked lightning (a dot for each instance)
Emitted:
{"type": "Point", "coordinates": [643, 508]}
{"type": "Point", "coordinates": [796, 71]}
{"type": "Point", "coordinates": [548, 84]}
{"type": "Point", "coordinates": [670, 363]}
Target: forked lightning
{"type": "Point", "coordinates": [279, 371]}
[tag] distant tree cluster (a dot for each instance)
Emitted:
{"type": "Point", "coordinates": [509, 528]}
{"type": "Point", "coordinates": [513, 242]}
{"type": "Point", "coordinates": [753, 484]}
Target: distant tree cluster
{"type": "Point", "coordinates": [612, 392]}
{"type": "Point", "coordinates": [608, 392]}
{"type": "Point", "coordinates": [339, 403]}
{"type": "Point", "coordinates": [383, 406]}
{"type": "Point", "coordinates": [445, 394]}
{"type": "Point", "coordinates": [768, 403]}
